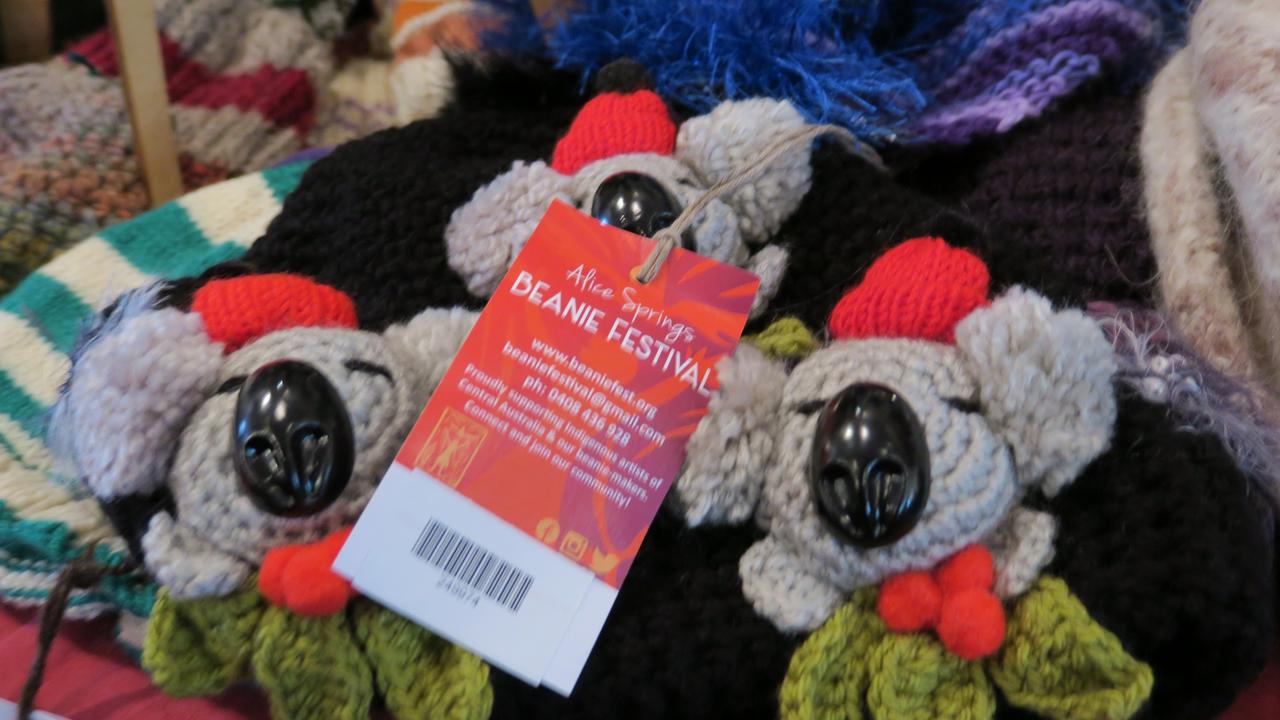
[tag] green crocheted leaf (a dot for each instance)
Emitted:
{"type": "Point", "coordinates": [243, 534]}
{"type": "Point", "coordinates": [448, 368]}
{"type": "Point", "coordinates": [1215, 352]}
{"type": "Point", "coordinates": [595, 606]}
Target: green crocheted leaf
{"type": "Point", "coordinates": [914, 678]}
{"type": "Point", "coordinates": [199, 647]}
{"type": "Point", "coordinates": [421, 675]}
{"type": "Point", "coordinates": [786, 338]}
{"type": "Point", "coordinates": [828, 676]}
{"type": "Point", "coordinates": [1059, 663]}
{"type": "Point", "coordinates": [311, 668]}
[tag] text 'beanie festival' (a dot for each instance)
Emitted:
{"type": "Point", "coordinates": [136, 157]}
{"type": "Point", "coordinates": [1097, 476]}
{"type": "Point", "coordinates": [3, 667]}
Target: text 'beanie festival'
{"type": "Point", "coordinates": [899, 456]}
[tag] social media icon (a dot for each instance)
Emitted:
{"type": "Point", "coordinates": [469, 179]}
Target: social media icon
{"type": "Point", "coordinates": [548, 530]}
{"type": "Point", "coordinates": [602, 563]}
{"type": "Point", "coordinates": [574, 546]}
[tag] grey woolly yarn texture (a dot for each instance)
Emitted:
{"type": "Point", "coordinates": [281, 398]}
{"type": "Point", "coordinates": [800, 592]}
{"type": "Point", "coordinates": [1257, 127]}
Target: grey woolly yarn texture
{"type": "Point", "coordinates": [973, 484]}
{"type": "Point", "coordinates": [215, 534]}
{"type": "Point", "coordinates": [207, 497]}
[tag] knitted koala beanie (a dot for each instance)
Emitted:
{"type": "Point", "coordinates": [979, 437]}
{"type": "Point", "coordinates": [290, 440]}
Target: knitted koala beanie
{"type": "Point", "coordinates": [369, 220]}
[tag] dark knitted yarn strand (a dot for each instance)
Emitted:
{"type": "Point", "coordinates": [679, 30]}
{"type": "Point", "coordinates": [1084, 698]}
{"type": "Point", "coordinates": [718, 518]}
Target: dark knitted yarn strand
{"type": "Point", "coordinates": [81, 573]}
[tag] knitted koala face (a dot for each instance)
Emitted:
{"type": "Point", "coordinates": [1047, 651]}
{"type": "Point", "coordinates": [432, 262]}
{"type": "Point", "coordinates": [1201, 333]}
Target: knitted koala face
{"type": "Point", "coordinates": [890, 450]}
{"type": "Point", "coordinates": [246, 446]}
{"type": "Point", "coordinates": [623, 161]}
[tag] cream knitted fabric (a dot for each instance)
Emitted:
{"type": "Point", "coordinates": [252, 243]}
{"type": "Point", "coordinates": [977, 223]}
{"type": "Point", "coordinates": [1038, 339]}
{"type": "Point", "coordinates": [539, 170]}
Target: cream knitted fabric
{"type": "Point", "coordinates": [1213, 115]}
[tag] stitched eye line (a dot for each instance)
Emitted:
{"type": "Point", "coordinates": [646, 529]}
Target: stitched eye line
{"type": "Point", "coordinates": [364, 366]}
{"type": "Point", "coordinates": [965, 405]}
{"type": "Point", "coordinates": [810, 407]}
{"type": "Point", "coordinates": [230, 385]}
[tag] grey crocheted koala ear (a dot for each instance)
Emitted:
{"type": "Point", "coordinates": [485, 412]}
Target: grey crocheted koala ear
{"type": "Point", "coordinates": [727, 140]}
{"type": "Point", "coordinates": [734, 443]}
{"type": "Point", "coordinates": [133, 384]}
{"type": "Point", "coordinates": [1045, 384]}
{"type": "Point", "coordinates": [429, 341]}
{"type": "Point", "coordinates": [770, 265]}
{"type": "Point", "coordinates": [485, 235]}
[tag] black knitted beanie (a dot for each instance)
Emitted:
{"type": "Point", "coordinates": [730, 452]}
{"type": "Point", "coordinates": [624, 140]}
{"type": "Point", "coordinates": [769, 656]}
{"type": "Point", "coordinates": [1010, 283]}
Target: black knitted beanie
{"type": "Point", "coordinates": [1159, 537]}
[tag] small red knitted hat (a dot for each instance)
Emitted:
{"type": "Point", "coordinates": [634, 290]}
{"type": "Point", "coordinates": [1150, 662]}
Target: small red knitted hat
{"type": "Point", "coordinates": [240, 309]}
{"type": "Point", "coordinates": [919, 289]}
{"type": "Point", "coordinates": [615, 123]}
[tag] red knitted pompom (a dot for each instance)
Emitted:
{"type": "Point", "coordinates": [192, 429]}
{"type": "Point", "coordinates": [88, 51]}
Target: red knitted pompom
{"type": "Point", "coordinates": [971, 624]}
{"type": "Point", "coordinates": [919, 289]}
{"type": "Point", "coordinates": [313, 589]}
{"type": "Point", "coordinates": [615, 124]}
{"type": "Point", "coordinates": [238, 310]}
{"type": "Point", "coordinates": [300, 579]}
{"type": "Point", "coordinates": [909, 602]}
{"type": "Point", "coordinates": [971, 568]}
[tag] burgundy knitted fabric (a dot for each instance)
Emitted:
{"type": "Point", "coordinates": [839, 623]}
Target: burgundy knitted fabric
{"type": "Point", "coordinates": [1066, 186]}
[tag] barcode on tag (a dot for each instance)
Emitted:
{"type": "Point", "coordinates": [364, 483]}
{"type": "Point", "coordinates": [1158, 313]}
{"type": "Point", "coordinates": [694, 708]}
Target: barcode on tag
{"type": "Point", "coordinates": [479, 569]}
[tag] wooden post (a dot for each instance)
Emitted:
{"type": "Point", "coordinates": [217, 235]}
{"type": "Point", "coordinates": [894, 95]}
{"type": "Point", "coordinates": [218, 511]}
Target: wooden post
{"type": "Point", "coordinates": [27, 30]}
{"type": "Point", "coordinates": [133, 23]}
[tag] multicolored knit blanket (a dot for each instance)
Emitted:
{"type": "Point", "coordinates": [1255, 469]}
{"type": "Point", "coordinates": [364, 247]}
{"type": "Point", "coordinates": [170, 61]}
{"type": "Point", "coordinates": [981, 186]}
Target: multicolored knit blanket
{"type": "Point", "coordinates": [243, 81]}
{"type": "Point", "coordinates": [941, 71]}
{"type": "Point", "coordinates": [45, 518]}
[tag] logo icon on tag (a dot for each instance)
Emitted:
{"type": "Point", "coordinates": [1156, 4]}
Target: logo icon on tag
{"type": "Point", "coordinates": [452, 446]}
{"type": "Point", "coordinates": [548, 530]}
{"type": "Point", "coordinates": [603, 563]}
{"type": "Point", "coordinates": [574, 546]}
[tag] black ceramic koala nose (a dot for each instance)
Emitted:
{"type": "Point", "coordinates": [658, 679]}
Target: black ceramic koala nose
{"type": "Point", "coordinates": [636, 203]}
{"type": "Point", "coordinates": [292, 442]}
{"type": "Point", "coordinates": [869, 471]}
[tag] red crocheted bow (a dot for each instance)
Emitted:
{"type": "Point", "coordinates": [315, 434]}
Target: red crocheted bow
{"type": "Point", "coordinates": [299, 578]}
{"type": "Point", "coordinates": [955, 601]}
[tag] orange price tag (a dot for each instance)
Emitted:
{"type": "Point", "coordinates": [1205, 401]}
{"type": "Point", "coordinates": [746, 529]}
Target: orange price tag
{"type": "Point", "coordinates": [519, 500]}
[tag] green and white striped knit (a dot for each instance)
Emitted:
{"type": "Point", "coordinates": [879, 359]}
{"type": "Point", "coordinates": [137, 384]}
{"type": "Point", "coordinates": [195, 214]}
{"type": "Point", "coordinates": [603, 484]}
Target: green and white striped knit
{"type": "Point", "coordinates": [45, 518]}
